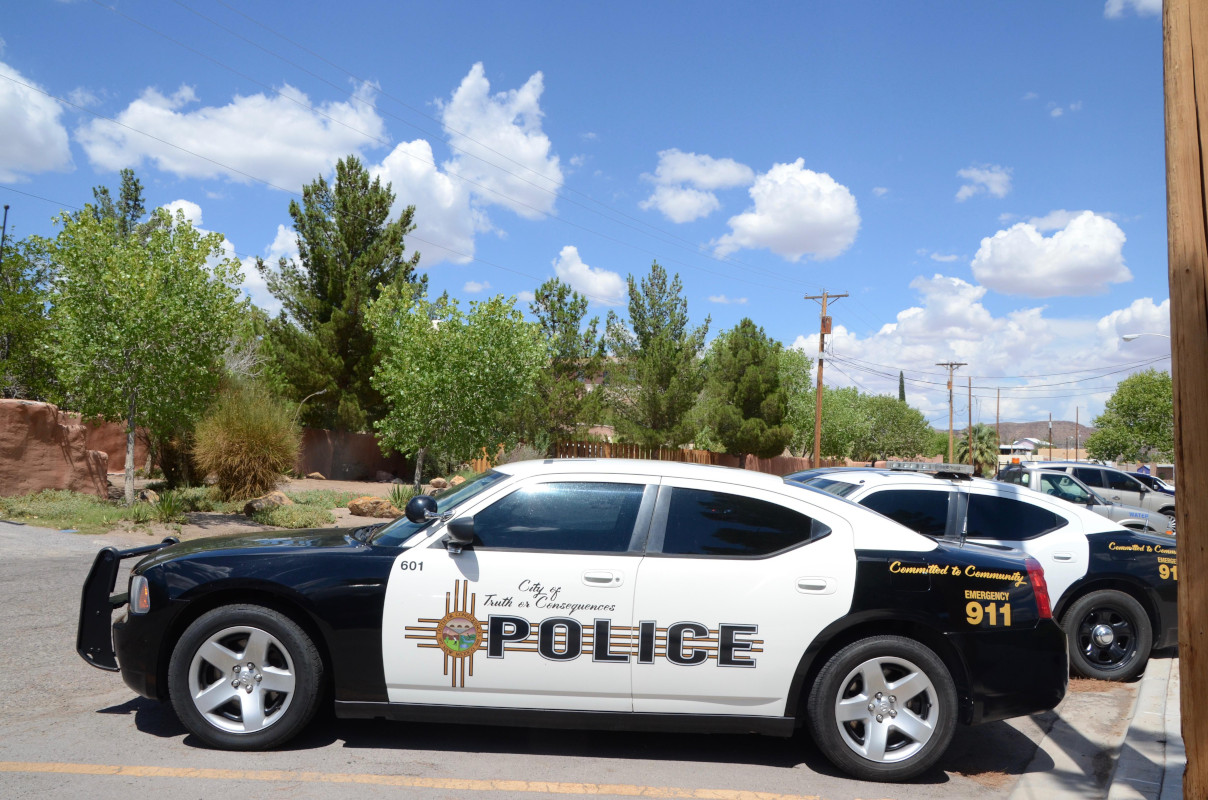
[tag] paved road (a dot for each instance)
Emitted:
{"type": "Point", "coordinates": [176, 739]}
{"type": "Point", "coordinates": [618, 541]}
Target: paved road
{"type": "Point", "coordinates": [70, 730]}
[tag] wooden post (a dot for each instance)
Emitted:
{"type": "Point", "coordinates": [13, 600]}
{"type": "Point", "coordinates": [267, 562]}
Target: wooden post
{"type": "Point", "coordinates": [1185, 50]}
{"type": "Point", "coordinates": [972, 463]}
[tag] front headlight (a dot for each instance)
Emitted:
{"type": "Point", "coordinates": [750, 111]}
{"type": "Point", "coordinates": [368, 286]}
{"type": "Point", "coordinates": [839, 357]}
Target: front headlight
{"type": "Point", "coordinates": [140, 595]}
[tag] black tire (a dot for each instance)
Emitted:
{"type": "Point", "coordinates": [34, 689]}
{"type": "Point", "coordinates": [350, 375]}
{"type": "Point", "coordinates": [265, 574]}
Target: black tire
{"type": "Point", "coordinates": [912, 732]}
{"type": "Point", "coordinates": [1109, 635]}
{"type": "Point", "coordinates": [245, 677]}
{"type": "Point", "coordinates": [1168, 511]}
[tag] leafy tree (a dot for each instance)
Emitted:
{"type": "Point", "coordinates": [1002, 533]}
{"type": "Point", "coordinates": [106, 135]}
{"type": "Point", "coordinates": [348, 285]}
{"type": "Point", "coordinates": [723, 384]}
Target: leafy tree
{"type": "Point", "coordinates": [891, 429]}
{"type": "Point", "coordinates": [657, 373]}
{"type": "Point", "coordinates": [452, 385]}
{"type": "Point", "coordinates": [25, 279]}
{"type": "Point", "coordinates": [744, 401]}
{"type": "Point", "coordinates": [561, 402]}
{"type": "Point", "coordinates": [142, 321]}
{"type": "Point", "coordinates": [348, 252]}
{"type": "Point", "coordinates": [1137, 421]}
{"type": "Point", "coordinates": [985, 450]}
{"type": "Point", "coordinates": [125, 216]}
{"type": "Point", "coordinates": [901, 386]}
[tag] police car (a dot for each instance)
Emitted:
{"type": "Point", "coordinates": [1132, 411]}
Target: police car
{"type": "Point", "coordinates": [1114, 589]}
{"type": "Point", "coordinates": [598, 594]}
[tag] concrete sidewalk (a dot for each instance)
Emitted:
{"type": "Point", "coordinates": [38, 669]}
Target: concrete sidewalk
{"type": "Point", "coordinates": [1149, 757]}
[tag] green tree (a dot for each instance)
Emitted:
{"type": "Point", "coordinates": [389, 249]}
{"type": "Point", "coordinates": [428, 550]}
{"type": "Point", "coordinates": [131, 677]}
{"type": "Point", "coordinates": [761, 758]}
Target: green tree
{"type": "Point", "coordinates": [452, 385]}
{"type": "Point", "coordinates": [348, 252]}
{"type": "Point", "coordinates": [1137, 421]}
{"type": "Point", "coordinates": [657, 373]}
{"type": "Point", "coordinates": [26, 370]}
{"type": "Point", "coordinates": [891, 429]}
{"type": "Point", "coordinates": [141, 322]}
{"type": "Point", "coordinates": [985, 450]}
{"type": "Point", "coordinates": [901, 386]}
{"type": "Point", "coordinates": [561, 403]}
{"type": "Point", "coordinates": [745, 404]}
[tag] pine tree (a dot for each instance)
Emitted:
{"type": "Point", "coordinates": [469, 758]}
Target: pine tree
{"type": "Point", "coordinates": [902, 386]}
{"type": "Point", "coordinates": [348, 251]}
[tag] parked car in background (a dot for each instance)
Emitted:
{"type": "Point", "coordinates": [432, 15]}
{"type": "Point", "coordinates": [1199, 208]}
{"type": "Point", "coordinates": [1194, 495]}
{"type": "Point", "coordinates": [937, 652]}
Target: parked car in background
{"type": "Point", "coordinates": [1114, 484]}
{"type": "Point", "coordinates": [1115, 590]}
{"type": "Point", "coordinates": [1065, 486]}
{"type": "Point", "coordinates": [1153, 482]}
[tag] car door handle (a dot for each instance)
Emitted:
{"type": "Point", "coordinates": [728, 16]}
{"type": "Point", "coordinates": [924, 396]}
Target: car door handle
{"type": "Point", "coordinates": [816, 585]}
{"type": "Point", "coordinates": [1063, 556]}
{"type": "Point", "coordinates": [603, 578]}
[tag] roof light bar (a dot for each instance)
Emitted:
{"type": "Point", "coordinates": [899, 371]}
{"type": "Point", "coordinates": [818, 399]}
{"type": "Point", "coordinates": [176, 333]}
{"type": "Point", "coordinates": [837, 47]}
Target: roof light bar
{"type": "Point", "coordinates": [923, 466]}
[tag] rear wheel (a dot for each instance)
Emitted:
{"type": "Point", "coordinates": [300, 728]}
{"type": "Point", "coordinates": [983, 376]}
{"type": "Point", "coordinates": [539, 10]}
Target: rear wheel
{"type": "Point", "coordinates": [244, 677]}
{"type": "Point", "coordinates": [883, 708]}
{"type": "Point", "coordinates": [1109, 634]}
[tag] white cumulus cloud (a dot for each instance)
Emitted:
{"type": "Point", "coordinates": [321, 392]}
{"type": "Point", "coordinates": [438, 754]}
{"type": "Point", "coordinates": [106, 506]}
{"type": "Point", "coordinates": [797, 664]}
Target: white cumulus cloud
{"type": "Point", "coordinates": [985, 179]}
{"type": "Point", "coordinates": [685, 182]}
{"type": "Point", "coordinates": [191, 210]}
{"type": "Point", "coordinates": [1114, 9]}
{"type": "Point", "coordinates": [1142, 316]}
{"type": "Point", "coordinates": [501, 145]}
{"type": "Point", "coordinates": [32, 138]}
{"type": "Point", "coordinates": [600, 285]}
{"type": "Point", "coordinates": [797, 212]}
{"type": "Point", "coordinates": [276, 138]}
{"type": "Point", "coordinates": [1081, 258]}
{"type": "Point", "coordinates": [476, 287]}
{"type": "Point", "coordinates": [725, 301]}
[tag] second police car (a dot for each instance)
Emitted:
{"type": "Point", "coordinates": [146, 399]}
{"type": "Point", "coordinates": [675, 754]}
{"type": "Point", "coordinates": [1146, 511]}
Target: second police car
{"type": "Point", "coordinates": [598, 594]}
{"type": "Point", "coordinates": [1114, 589]}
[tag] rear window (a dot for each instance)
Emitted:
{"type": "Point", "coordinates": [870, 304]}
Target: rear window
{"type": "Point", "coordinates": [922, 510]}
{"type": "Point", "coordinates": [1007, 519]}
{"type": "Point", "coordinates": [708, 523]}
{"type": "Point", "coordinates": [840, 488]}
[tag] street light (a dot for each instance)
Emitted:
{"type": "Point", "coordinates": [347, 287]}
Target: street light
{"type": "Point", "coordinates": [1128, 337]}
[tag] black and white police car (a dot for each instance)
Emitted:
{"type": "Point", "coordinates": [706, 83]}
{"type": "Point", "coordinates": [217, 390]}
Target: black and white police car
{"type": "Point", "coordinates": [1114, 589]}
{"type": "Point", "coordinates": [597, 594]}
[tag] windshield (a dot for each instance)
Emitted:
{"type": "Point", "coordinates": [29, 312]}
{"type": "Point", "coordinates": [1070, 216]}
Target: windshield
{"type": "Point", "coordinates": [1066, 488]}
{"type": "Point", "coordinates": [839, 488]}
{"type": "Point", "coordinates": [403, 529]}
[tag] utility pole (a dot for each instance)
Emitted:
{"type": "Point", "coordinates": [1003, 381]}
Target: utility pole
{"type": "Point", "coordinates": [3, 233]}
{"type": "Point", "coordinates": [1076, 424]}
{"type": "Point", "coordinates": [970, 430]}
{"type": "Point", "coordinates": [997, 410]}
{"type": "Point", "coordinates": [951, 365]}
{"type": "Point", "coordinates": [1185, 74]}
{"type": "Point", "coordinates": [824, 328]}
{"type": "Point", "coordinates": [1050, 436]}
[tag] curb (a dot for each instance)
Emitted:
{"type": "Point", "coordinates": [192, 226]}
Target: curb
{"type": "Point", "coordinates": [1152, 758]}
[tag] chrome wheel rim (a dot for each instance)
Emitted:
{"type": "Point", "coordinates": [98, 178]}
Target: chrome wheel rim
{"type": "Point", "coordinates": [241, 679]}
{"type": "Point", "coordinates": [886, 710]}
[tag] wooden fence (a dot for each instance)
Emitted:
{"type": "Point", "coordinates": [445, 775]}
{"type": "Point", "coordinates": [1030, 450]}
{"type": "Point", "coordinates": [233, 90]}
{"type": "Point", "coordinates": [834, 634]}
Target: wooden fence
{"type": "Point", "coordinates": [779, 465]}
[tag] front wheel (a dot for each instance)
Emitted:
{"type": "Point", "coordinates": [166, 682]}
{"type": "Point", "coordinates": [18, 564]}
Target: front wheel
{"type": "Point", "coordinates": [883, 708]}
{"type": "Point", "coordinates": [244, 677]}
{"type": "Point", "coordinates": [1109, 634]}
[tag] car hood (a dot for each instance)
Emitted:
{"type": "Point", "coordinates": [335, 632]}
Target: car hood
{"type": "Point", "coordinates": [261, 541]}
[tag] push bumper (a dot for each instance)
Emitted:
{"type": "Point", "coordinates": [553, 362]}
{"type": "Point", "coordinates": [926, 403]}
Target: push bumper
{"type": "Point", "coordinates": [1013, 673]}
{"type": "Point", "coordinates": [94, 637]}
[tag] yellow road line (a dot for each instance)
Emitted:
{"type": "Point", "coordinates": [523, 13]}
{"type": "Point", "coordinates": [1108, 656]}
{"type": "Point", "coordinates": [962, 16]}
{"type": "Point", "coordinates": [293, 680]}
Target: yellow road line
{"type": "Point", "coordinates": [458, 784]}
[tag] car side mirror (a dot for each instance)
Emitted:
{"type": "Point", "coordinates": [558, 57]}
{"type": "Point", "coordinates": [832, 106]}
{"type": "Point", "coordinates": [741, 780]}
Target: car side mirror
{"type": "Point", "coordinates": [459, 534]}
{"type": "Point", "coordinates": [420, 508]}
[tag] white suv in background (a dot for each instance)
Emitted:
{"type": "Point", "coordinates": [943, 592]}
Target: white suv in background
{"type": "Point", "coordinates": [1114, 484]}
{"type": "Point", "coordinates": [1065, 486]}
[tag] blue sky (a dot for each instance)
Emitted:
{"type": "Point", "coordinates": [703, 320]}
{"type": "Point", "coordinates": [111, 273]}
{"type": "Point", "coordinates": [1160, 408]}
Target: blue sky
{"type": "Point", "coordinates": [985, 180]}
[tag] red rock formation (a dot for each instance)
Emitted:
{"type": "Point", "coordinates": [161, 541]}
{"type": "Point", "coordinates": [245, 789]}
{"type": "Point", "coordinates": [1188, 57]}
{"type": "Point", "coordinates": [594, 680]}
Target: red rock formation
{"type": "Point", "coordinates": [44, 448]}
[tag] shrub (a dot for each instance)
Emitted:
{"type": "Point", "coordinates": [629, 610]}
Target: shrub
{"type": "Point", "coordinates": [247, 440]}
{"type": "Point", "coordinates": [400, 494]}
{"type": "Point", "coordinates": [170, 507]}
{"type": "Point", "coordinates": [521, 452]}
{"type": "Point", "coordinates": [295, 516]}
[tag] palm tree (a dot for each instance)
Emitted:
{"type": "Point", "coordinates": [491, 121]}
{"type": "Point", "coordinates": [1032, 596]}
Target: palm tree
{"type": "Point", "coordinates": [985, 450]}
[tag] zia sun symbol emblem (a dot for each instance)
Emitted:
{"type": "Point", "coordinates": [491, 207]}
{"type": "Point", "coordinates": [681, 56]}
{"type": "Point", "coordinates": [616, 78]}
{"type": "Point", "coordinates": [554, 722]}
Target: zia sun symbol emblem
{"type": "Point", "coordinates": [458, 634]}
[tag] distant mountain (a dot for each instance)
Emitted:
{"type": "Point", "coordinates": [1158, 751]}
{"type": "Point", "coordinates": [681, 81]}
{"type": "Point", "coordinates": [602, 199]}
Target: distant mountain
{"type": "Point", "coordinates": [1062, 430]}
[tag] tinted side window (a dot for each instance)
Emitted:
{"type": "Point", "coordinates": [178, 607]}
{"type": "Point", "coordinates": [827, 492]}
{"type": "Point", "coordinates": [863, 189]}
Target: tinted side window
{"type": "Point", "coordinates": [578, 516]}
{"type": "Point", "coordinates": [1089, 476]}
{"type": "Point", "coordinates": [1121, 482]}
{"type": "Point", "coordinates": [1008, 520]}
{"type": "Point", "coordinates": [707, 523]}
{"type": "Point", "coordinates": [918, 509]}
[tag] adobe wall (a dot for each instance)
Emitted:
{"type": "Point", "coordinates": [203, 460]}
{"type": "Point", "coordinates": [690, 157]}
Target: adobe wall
{"type": "Point", "coordinates": [340, 455]}
{"type": "Point", "coordinates": [110, 437]}
{"type": "Point", "coordinates": [42, 447]}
